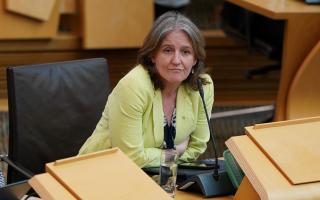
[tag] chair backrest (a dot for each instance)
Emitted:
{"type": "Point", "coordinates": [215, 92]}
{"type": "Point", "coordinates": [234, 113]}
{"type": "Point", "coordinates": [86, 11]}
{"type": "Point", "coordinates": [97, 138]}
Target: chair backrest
{"type": "Point", "coordinates": [304, 93]}
{"type": "Point", "coordinates": [53, 109]}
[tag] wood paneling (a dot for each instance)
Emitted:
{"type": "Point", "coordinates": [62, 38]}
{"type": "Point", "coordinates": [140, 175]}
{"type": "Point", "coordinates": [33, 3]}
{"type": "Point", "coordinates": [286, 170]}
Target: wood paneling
{"type": "Point", "coordinates": [37, 9]}
{"type": "Point", "coordinates": [15, 26]}
{"type": "Point", "coordinates": [226, 63]}
{"type": "Point", "coordinates": [115, 24]}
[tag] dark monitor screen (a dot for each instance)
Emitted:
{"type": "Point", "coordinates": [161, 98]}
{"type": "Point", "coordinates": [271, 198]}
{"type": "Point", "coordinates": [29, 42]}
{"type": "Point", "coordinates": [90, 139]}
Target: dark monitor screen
{"type": "Point", "coordinates": [312, 1]}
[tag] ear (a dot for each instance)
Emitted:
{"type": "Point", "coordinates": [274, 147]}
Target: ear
{"type": "Point", "coordinates": [152, 58]}
{"type": "Point", "coordinates": [195, 62]}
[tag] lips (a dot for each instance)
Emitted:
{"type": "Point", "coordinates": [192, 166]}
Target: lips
{"type": "Point", "coordinates": [176, 70]}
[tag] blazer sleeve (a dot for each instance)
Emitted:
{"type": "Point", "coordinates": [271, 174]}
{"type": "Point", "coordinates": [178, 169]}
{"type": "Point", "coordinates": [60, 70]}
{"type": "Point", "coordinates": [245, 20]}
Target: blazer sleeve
{"type": "Point", "coordinates": [99, 139]}
{"type": "Point", "coordinates": [201, 135]}
{"type": "Point", "coordinates": [126, 115]}
{"type": "Point", "coordinates": [121, 125]}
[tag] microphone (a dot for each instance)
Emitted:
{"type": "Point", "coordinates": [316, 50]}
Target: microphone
{"type": "Point", "coordinates": [209, 183]}
{"type": "Point", "coordinates": [20, 169]}
{"type": "Point", "coordinates": [216, 165]}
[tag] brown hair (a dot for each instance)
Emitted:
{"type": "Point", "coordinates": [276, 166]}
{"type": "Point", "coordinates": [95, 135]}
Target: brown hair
{"type": "Point", "coordinates": [165, 24]}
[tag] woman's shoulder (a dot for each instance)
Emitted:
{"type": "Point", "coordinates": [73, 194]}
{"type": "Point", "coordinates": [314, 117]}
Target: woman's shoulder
{"type": "Point", "coordinates": [137, 72]}
{"type": "Point", "coordinates": [137, 76]}
{"type": "Point", "coordinates": [207, 78]}
{"type": "Point", "coordinates": [208, 85]}
{"type": "Point", "coordinates": [137, 80]}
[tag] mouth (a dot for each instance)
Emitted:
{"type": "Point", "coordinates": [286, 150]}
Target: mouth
{"type": "Point", "coordinates": [175, 70]}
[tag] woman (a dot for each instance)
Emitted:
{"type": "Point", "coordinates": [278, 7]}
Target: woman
{"type": "Point", "coordinates": [157, 104]}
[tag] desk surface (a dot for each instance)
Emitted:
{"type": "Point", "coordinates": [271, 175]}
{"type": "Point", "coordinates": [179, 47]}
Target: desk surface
{"type": "Point", "coordinates": [278, 9]}
{"type": "Point", "coordinates": [264, 176]}
{"type": "Point", "coordinates": [180, 196]}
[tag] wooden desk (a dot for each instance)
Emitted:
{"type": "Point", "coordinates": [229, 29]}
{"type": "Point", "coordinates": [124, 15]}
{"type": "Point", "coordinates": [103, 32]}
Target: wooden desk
{"type": "Point", "coordinates": [180, 195]}
{"type": "Point", "coordinates": [302, 32]}
{"type": "Point", "coordinates": [271, 168]}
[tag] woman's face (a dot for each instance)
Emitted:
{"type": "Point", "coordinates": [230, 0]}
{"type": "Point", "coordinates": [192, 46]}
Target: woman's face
{"type": "Point", "coordinates": [174, 58]}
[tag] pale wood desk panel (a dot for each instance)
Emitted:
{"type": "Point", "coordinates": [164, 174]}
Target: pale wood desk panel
{"type": "Point", "coordinates": [63, 194]}
{"type": "Point", "coordinates": [15, 26]}
{"type": "Point", "coordinates": [180, 196]}
{"type": "Point", "coordinates": [37, 9]}
{"type": "Point", "coordinates": [302, 31]}
{"type": "Point", "coordinates": [61, 42]}
{"type": "Point", "coordinates": [281, 143]}
{"type": "Point", "coordinates": [111, 174]}
{"type": "Point", "coordinates": [265, 178]}
{"type": "Point", "coordinates": [62, 180]}
{"type": "Point", "coordinates": [115, 24]}
{"type": "Point", "coordinates": [278, 9]}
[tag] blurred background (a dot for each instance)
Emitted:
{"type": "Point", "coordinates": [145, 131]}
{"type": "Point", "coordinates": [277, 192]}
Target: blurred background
{"type": "Point", "coordinates": [242, 61]}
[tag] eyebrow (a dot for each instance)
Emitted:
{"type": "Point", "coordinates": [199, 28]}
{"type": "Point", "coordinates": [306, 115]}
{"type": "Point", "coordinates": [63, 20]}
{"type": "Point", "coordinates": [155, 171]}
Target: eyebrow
{"type": "Point", "coordinates": [170, 45]}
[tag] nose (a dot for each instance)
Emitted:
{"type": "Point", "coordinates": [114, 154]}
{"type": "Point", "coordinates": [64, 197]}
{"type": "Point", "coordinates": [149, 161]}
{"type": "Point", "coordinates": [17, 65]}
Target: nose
{"type": "Point", "coordinates": [176, 60]}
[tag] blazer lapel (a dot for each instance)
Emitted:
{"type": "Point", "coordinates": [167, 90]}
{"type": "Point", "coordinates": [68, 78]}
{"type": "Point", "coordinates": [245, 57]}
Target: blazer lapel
{"type": "Point", "coordinates": [158, 118]}
{"type": "Point", "coordinates": [185, 114]}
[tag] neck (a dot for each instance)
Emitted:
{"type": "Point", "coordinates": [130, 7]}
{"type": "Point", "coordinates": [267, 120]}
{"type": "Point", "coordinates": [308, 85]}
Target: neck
{"type": "Point", "coordinates": [172, 91]}
{"type": "Point", "coordinates": [169, 90]}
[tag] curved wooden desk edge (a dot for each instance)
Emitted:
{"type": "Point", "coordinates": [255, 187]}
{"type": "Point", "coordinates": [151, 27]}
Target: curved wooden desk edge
{"type": "Point", "coordinates": [246, 191]}
{"type": "Point", "coordinates": [303, 93]}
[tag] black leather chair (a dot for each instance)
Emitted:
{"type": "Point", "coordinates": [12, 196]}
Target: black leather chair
{"type": "Point", "coordinates": [53, 109]}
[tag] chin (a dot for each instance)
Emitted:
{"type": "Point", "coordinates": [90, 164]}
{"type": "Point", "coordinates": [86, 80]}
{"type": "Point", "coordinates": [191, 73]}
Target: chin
{"type": "Point", "coordinates": [176, 81]}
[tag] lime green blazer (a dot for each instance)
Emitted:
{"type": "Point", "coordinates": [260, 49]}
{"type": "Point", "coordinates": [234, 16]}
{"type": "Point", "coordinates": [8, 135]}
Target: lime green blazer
{"type": "Point", "coordinates": [133, 120]}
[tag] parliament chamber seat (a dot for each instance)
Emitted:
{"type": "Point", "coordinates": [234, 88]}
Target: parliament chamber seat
{"type": "Point", "coordinates": [53, 109]}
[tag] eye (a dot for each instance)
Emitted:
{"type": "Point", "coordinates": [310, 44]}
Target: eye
{"type": "Point", "coordinates": [167, 50]}
{"type": "Point", "coordinates": [186, 52]}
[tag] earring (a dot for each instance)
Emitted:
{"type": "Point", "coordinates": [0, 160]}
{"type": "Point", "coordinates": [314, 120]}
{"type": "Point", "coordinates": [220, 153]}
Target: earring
{"type": "Point", "coordinates": [192, 71]}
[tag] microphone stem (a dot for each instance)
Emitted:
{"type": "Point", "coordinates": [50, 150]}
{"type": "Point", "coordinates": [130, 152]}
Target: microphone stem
{"type": "Point", "coordinates": [10, 163]}
{"type": "Point", "coordinates": [216, 167]}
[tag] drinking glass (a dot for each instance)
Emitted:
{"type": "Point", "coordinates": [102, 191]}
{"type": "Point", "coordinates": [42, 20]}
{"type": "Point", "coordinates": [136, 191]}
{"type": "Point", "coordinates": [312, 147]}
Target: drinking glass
{"type": "Point", "coordinates": [168, 171]}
